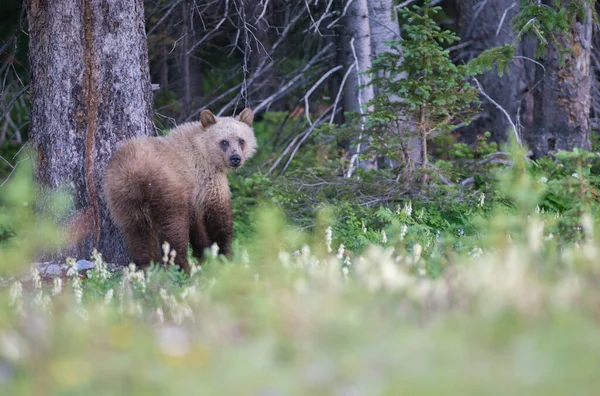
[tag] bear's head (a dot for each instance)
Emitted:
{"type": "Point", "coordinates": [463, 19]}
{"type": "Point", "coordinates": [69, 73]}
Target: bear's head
{"type": "Point", "coordinates": [230, 140]}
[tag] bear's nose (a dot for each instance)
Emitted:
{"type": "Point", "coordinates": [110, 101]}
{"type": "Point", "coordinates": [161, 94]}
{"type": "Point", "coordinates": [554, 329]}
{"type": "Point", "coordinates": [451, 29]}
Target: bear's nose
{"type": "Point", "coordinates": [235, 160]}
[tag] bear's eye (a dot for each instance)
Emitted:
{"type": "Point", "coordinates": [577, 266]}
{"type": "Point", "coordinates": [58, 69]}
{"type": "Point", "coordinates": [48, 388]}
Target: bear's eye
{"type": "Point", "coordinates": [224, 143]}
{"type": "Point", "coordinates": [242, 142]}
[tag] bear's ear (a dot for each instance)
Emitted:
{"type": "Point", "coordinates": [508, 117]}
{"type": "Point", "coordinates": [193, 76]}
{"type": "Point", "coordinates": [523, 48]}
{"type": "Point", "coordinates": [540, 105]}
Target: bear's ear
{"type": "Point", "coordinates": [246, 116]}
{"type": "Point", "coordinates": [207, 118]}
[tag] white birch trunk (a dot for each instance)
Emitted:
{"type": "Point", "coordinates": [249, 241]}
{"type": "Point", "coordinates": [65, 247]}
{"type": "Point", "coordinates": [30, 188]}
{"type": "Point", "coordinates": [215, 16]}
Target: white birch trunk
{"type": "Point", "coordinates": [356, 44]}
{"type": "Point", "coordinates": [384, 27]}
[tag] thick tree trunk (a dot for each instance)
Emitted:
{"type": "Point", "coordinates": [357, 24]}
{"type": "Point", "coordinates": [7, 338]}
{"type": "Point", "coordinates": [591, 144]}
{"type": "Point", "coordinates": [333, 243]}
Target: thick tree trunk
{"type": "Point", "coordinates": [90, 90]}
{"type": "Point", "coordinates": [384, 27]}
{"type": "Point", "coordinates": [480, 28]}
{"type": "Point", "coordinates": [562, 100]}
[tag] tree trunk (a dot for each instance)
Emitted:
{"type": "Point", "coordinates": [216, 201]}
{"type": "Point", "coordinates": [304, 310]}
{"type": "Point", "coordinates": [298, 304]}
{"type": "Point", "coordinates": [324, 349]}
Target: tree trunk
{"type": "Point", "coordinates": [384, 27]}
{"type": "Point", "coordinates": [185, 61]}
{"type": "Point", "coordinates": [562, 100]}
{"type": "Point", "coordinates": [90, 90]}
{"type": "Point", "coordinates": [480, 27]}
{"type": "Point", "coordinates": [357, 52]}
{"type": "Point", "coordinates": [260, 45]}
{"type": "Point", "coordinates": [357, 34]}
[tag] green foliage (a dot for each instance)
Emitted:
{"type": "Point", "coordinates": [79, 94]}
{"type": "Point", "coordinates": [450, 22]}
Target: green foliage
{"type": "Point", "coordinates": [313, 317]}
{"type": "Point", "coordinates": [434, 91]}
{"type": "Point", "coordinates": [548, 20]}
{"type": "Point", "coordinates": [497, 56]}
{"type": "Point", "coordinates": [22, 233]}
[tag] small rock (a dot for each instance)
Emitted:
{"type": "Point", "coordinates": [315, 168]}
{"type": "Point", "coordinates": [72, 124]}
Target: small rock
{"type": "Point", "coordinates": [52, 270]}
{"type": "Point", "coordinates": [84, 265]}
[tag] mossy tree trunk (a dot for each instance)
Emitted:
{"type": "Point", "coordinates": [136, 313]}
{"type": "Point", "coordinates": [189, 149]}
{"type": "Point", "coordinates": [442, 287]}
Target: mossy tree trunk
{"type": "Point", "coordinates": [485, 26]}
{"type": "Point", "coordinates": [561, 116]}
{"type": "Point", "coordinates": [90, 90]}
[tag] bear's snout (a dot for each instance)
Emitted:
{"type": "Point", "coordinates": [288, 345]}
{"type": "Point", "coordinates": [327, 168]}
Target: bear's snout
{"type": "Point", "coordinates": [235, 160]}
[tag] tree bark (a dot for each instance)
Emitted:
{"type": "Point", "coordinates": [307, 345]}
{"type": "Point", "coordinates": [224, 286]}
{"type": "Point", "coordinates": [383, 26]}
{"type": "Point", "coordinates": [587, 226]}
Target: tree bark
{"type": "Point", "coordinates": [479, 25]}
{"type": "Point", "coordinates": [90, 90]}
{"type": "Point", "coordinates": [357, 27]}
{"type": "Point", "coordinates": [357, 53]}
{"type": "Point", "coordinates": [384, 27]}
{"type": "Point", "coordinates": [562, 100]}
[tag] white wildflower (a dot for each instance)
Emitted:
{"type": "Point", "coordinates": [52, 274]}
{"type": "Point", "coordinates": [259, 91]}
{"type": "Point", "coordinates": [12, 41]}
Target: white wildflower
{"type": "Point", "coordinates": [136, 277]}
{"type": "Point", "coordinates": [214, 250]}
{"type": "Point", "coordinates": [576, 175]}
{"type": "Point", "coordinates": [408, 208]}
{"type": "Point", "coordinates": [160, 315]}
{"type": "Point", "coordinates": [421, 213]}
{"type": "Point", "coordinates": [417, 251]}
{"type": "Point", "coordinates": [481, 200]}
{"type": "Point", "coordinates": [328, 238]}
{"type": "Point", "coordinates": [36, 278]}
{"type": "Point", "coordinates": [16, 295]}
{"type": "Point", "coordinates": [99, 265]}
{"type": "Point", "coordinates": [172, 257]}
{"type": "Point", "coordinates": [461, 232]}
{"type": "Point", "coordinates": [193, 268]}
{"type": "Point", "coordinates": [543, 179]}
{"type": "Point", "coordinates": [42, 301]}
{"type": "Point", "coordinates": [345, 272]}
{"type": "Point", "coordinates": [166, 248]}
{"type": "Point", "coordinates": [476, 252]}
{"type": "Point", "coordinates": [57, 286]}
{"type": "Point", "coordinates": [383, 237]}
{"type": "Point", "coordinates": [72, 264]}
{"type": "Point", "coordinates": [108, 296]}
{"type": "Point", "coordinates": [347, 261]}
{"type": "Point", "coordinates": [340, 252]}
{"type": "Point", "coordinates": [364, 227]}
{"type": "Point", "coordinates": [403, 231]}
{"type": "Point", "coordinates": [77, 290]}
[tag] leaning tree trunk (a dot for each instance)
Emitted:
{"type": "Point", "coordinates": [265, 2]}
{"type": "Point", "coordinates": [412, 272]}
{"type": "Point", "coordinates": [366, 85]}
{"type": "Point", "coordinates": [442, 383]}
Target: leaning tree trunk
{"type": "Point", "coordinates": [384, 27]}
{"type": "Point", "coordinates": [485, 25]}
{"type": "Point", "coordinates": [357, 52]}
{"type": "Point", "coordinates": [563, 99]}
{"type": "Point", "coordinates": [90, 89]}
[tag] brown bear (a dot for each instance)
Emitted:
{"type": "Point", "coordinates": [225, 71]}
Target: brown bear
{"type": "Point", "coordinates": [175, 188]}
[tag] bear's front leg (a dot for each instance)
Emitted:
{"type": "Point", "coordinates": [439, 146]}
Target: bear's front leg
{"type": "Point", "coordinates": [219, 227]}
{"type": "Point", "coordinates": [198, 236]}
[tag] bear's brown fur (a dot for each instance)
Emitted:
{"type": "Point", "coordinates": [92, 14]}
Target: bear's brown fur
{"type": "Point", "coordinates": [175, 188]}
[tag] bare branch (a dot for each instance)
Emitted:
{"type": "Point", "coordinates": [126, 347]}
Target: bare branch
{"type": "Point", "coordinates": [512, 124]}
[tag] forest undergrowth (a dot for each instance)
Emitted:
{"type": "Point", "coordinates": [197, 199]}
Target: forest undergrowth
{"type": "Point", "coordinates": [490, 294]}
